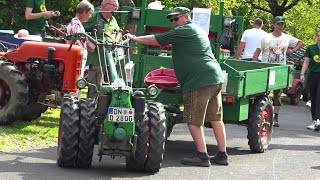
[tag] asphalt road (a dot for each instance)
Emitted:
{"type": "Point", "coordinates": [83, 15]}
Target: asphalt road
{"type": "Point", "coordinates": [294, 153]}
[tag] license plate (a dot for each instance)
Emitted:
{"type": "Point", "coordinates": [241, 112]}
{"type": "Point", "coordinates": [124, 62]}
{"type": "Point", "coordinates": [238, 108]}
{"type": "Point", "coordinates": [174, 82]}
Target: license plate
{"type": "Point", "coordinates": [121, 114]}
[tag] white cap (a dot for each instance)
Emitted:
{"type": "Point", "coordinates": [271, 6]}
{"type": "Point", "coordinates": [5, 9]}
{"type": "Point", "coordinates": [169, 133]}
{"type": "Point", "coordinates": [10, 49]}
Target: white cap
{"type": "Point", "coordinates": [23, 33]}
{"type": "Point", "coordinates": [155, 5]}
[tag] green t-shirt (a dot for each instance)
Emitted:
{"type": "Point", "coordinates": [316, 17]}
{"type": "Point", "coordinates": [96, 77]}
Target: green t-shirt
{"type": "Point", "coordinates": [313, 52]}
{"type": "Point", "coordinates": [97, 21]}
{"type": "Point", "coordinates": [35, 26]}
{"type": "Point", "coordinates": [194, 64]}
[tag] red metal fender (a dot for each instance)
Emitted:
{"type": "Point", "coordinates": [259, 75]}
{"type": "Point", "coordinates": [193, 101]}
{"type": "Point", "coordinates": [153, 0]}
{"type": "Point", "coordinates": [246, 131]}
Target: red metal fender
{"type": "Point", "coordinates": [294, 85]}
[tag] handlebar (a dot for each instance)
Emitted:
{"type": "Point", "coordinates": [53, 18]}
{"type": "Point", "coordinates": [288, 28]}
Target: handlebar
{"type": "Point", "coordinates": [82, 36]}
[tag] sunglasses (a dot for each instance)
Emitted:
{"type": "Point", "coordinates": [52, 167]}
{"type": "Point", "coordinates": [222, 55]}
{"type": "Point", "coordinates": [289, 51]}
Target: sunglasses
{"type": "Point", "coordinates": [175, 19]}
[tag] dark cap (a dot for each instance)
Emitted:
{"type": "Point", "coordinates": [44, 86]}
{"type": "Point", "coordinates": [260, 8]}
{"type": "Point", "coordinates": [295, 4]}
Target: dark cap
{"type": "Point", "coordinates": [279, 19]}
{"type": "Point", "coordinates": [179, 10]}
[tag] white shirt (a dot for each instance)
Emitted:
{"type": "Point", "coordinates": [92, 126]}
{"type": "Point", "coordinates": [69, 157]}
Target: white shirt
{"type": "Point", "coordinates": [274, 49]}
{"type": "Point", "coordinates": [252, 38]}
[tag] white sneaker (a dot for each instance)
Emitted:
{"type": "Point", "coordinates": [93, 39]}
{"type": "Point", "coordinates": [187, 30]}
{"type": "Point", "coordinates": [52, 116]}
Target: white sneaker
{"type": "Point", "coordinates": [308, 104]}
{"type": "Point", "coordinates": [314, 124]}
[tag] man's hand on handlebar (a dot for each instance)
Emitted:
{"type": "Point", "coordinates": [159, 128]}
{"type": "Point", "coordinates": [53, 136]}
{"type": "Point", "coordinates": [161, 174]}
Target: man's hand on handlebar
{"type": "Point", "coordinates": [128, 36]}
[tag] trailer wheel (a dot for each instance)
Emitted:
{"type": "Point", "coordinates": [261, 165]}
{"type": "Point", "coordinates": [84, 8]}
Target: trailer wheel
{"type": "Point", "coordinates": [33, 111]}
{"type": "Point", "coordinates": [137, 160]}
{"type": "Point", "coordinates": [295, 98]}
{"type": "Point", "coordinates": [87, 139]}
{"type": "Point", "coordinates": [13, 93]}
{"type": "Point", "coordinates": [157, 137]}
{"type": "Point", "coordinates": [260, 124]}
{"type": "Point", "coordinates": [68, 132]}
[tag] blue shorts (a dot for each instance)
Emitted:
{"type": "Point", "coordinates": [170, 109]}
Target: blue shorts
{"type": "Point", "coordinates": [250, 59]}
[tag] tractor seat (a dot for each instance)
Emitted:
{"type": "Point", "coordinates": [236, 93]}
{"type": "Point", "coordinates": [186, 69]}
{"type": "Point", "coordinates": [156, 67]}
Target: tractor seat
{"type": "Point", "coordinates": [162, 78]}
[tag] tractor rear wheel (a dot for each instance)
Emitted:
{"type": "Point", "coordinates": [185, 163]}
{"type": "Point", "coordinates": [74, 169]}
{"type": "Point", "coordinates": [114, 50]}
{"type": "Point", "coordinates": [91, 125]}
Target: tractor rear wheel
{"type": "Point", "coordinates": [33, 111]}
{"type": "Point", "coordinates": [68, 138]}
{"type": "Point", "coordinates": [87, 138]}
{"type": "Point", "coordinates": [13, 93]}
{"type": "Point", "coordinates": [157, 137]}
{"type": "Point", "coordinates": [137, 160]}
{"type": "Point", "coordinates": [260, 124]}
{"type": "Point", "coordinates": [295, 98]}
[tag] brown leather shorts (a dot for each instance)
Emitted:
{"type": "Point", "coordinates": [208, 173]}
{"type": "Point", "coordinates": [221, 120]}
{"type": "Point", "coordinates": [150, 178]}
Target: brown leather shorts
{"type": "Point", "coordinates": [202, 105]}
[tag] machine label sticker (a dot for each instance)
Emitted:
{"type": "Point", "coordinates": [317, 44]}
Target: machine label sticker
{"type": "Point", "coordinates": [117, 114]}
{"type": "Point", "coordinates": [272, 78]}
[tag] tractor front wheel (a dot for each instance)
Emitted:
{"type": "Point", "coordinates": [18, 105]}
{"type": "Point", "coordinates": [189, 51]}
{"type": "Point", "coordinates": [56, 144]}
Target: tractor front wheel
{"type": "Point", "coordinates": [260, 124]}
{"type": "Point", "coordinates": [68, 138]}
{"type": "Point", "coordinates": [157, 137]}
{"type": "Point", "coordinates": [137, 160]}
{"type": "Point", "coordinates": [13, 93]}
{"type": "Point", "coordinates": [87, 138]}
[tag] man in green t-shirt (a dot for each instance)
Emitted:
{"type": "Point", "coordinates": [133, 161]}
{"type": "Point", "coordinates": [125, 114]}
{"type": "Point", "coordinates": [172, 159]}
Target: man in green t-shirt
{"type": "Point", "coordinates": [200, 77]}
{"type": "Point", "coordinates": [103, 26]}
{"type": "Point", "coordinates": [36, 15]}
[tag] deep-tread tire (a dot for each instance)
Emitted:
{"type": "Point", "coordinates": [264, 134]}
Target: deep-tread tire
{"type": "Point", "coordinates": [68, 139]}
{"type": "Point", "coordinates": [137, 161]}
{"type": "Point", "coordinates": [295, 98]}
{"type": "Point", "coordinates": [87, 138]}
{"type": "Point", "coordinates": [157, 137]}
{"type": "Point", "coordinates": [33, 111]}
{"type": "Point", "coordinates": [258, 137]}
{"type": "Point", "coordinates": [13, 93]}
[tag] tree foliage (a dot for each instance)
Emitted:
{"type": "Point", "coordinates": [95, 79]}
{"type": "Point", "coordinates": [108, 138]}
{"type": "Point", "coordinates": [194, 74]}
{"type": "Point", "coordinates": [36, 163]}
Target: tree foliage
{"type": "Point", "coordinates": [302, 16]}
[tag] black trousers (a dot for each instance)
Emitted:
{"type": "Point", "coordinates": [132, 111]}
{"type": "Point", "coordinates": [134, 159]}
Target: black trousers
{"type": "Point", "coordinates": [314, 88]}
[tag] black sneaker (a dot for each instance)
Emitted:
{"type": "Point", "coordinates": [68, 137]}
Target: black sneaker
{"type": "Point", "coordinates": [196, 161]}
{"type": "Point", "coordinates": [275, 120]}
{"type": "Point", "coordinates": [220, 158]}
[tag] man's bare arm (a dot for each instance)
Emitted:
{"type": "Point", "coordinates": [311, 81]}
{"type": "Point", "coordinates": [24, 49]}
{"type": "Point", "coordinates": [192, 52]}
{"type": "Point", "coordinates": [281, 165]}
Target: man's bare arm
{"type": "Point", "coordinates": [256, 54]}
{"type": "Point", "coordinates": [241, 47]}
{"type": "Point", "coordinates": [147, 40]}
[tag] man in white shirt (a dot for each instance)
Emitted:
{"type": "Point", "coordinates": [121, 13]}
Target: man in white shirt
{"type": "Point", "coordinates": [274, 48]}
{"type": "Point", "coordinates": [250, 41]}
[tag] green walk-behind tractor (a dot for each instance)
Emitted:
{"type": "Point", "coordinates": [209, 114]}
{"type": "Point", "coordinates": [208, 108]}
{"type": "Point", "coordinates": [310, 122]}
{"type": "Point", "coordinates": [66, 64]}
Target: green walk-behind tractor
{"type": "Point", "coordinates": [120, 120]}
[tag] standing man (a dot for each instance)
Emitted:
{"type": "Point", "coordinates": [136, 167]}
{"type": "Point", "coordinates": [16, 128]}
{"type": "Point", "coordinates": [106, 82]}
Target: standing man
{"type": "Point", "coordinates": [274, 48]}
{"type": "Point", "coordinates": [101, 22]}
{"type": "Point", "coordinates": [250, 40]}
{"type": "Point", "coordinates": [200, 78]}
{"type": "Point", "coordinates": [36, 15]}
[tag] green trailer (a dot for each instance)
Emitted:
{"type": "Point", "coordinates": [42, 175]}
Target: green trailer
{"type": "Point", "coordinates": [246, 94]}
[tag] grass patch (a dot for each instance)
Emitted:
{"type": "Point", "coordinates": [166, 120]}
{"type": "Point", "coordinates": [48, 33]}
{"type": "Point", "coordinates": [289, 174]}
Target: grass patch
{"type": "Point", "coordinates": [39, 133]}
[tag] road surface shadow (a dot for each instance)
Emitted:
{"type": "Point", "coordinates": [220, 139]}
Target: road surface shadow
{"type": "Point", "coordinates": [108, 168]}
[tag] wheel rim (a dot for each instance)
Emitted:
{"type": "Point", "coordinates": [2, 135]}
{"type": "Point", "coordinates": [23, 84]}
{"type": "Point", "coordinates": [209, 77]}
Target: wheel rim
{"type": "Point", "coordinates": [5, 94]}
{"type": "Point", "coordinates": [265, 124]}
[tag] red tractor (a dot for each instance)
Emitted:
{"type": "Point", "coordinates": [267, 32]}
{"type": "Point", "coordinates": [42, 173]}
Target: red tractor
{"type": "Point", "coordinates": [35, 76]}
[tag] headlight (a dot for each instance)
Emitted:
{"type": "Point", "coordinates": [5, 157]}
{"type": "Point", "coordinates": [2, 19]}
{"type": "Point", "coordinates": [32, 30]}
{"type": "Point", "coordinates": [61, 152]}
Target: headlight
{"type": "Point", "coordinates": [152, 90]}
{"type": "Point", "coordinates": [81, 83]}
